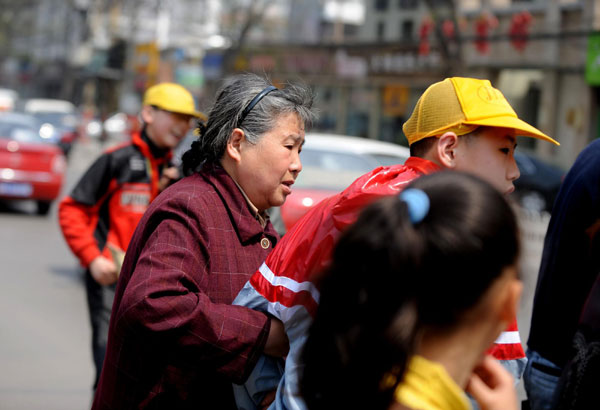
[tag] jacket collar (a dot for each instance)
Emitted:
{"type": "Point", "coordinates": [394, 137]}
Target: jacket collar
{"type": "Point", "coordinates": [141, 141]}
{"type": "Point", "coordinates": [244, 221]}
{"type": "Point", "coordinates": [424, 166]}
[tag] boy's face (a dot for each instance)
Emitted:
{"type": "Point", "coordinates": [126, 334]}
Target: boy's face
{"type": "Point", "coordinates": [490, 155]}
{"type": "Point", "coordinates": [166, 129]}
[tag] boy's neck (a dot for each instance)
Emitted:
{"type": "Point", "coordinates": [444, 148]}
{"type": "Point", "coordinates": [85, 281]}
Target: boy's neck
{"type": "Point", "coordinates": [156, 151]}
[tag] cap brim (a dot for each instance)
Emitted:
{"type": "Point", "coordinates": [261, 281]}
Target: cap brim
{"type": "Point", "coordinates": [521, 127]}
{"type": "Point", "coordinates": [197, 114]}
{"type": "Point", "coordinates": [203, 117]}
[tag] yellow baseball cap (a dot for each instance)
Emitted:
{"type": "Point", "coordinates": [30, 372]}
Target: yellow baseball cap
{"type": "Point", "coordinates": [172, 97]}
{"type": "Point", "coordinates": [460, 105]}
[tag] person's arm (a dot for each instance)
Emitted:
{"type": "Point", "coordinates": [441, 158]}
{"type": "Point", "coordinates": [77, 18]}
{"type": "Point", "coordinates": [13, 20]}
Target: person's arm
{"type": "Point", "coordinates": [509, 351]}
{"type": "Point", "coordinates": [78, 216]}
{"type": "Point", "coordinates": [77, 223]}
{"type": "Point", "coordinates": [164, 301]}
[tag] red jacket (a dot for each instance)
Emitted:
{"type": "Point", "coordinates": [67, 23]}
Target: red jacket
{"type": "Point", "coordinates": [109, 200]}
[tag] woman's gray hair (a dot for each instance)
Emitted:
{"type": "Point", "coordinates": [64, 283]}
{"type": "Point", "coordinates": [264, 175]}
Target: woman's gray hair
{"type": "Point", "coordinates": [232, 98]}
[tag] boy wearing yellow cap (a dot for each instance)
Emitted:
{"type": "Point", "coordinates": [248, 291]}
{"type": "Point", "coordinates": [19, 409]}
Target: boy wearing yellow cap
{"type": "Point", "coordinates": [99, 216]}
{"type": "Point", "coordinates": [461, 124]}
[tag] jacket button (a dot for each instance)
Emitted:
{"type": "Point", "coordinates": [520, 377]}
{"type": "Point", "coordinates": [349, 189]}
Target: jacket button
{"type": "Point", "coordinates": [265, 243]}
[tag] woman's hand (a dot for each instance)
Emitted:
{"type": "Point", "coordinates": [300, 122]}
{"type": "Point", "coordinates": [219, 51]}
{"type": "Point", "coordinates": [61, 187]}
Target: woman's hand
{"type": "Point", "coordinates": [277, 344]}
{"type": "Point", "coordinates": [492, 386]}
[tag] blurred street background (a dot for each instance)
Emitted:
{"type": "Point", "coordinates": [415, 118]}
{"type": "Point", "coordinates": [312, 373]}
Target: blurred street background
{"type": "Point", "coordinates": [45, 336]}
{"type": "Point", "coordinates": [73, 72]}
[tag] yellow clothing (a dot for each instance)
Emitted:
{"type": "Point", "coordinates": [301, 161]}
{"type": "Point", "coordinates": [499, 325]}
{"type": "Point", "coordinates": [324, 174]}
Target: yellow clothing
{"type": "Point", "coordinates": [427, 386]}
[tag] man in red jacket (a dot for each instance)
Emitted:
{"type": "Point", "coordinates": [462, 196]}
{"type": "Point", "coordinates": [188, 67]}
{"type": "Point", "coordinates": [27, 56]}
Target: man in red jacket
{"type": "Point", "coordinates": [459, 124]}
{"type": "Point", "coordinates": [99, 216]}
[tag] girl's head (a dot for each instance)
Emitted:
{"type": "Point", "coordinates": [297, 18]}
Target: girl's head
{"type": "Point", "coordinates": [393, 280]}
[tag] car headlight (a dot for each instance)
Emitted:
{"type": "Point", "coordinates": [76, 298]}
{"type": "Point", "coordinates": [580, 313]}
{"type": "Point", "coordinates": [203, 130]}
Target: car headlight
{"type": "Point", "coordinates": [93, 128]}
{"type": "Point", "coordinates": [46, 131]}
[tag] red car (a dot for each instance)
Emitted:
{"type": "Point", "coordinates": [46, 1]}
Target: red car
{"type": "Point", "coordinates": [30, 167]}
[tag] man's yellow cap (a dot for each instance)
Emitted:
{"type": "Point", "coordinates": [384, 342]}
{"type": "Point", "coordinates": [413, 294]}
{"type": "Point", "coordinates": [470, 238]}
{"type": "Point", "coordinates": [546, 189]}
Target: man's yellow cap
{"type": "Point", "coordinates": [460, 105]}
{"type": "Point", "coordinates": [172, 97]}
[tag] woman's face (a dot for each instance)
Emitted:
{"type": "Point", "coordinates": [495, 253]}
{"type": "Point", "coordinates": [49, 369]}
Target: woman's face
{"type": "Point", "coordinates": [267, 169]}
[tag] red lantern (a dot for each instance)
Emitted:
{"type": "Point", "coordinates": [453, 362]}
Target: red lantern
{"type": "Point", "coordinates": [424, 32]}
{"type": "Point", "coordinates": [519, 30]}
{"type": "Point", "coordinates": [483, 24]}
{"type": "Point", "coordinates": [448, 29]}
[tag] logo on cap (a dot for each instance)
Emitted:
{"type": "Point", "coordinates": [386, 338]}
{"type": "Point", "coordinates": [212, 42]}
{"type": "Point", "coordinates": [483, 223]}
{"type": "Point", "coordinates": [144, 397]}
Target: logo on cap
{"type": "Point", "coordinates": [491, 95]}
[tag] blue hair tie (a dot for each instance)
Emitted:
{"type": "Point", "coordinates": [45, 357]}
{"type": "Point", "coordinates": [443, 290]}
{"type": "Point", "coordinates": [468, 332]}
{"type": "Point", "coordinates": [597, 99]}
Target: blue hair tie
{"type": "Point", "coordinates": [417, 202]}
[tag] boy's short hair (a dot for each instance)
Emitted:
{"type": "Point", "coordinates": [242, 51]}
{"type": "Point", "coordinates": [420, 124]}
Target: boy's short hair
{"type": "Point", "coordinates": [461, 105]}
{"type": "Point", "coordinates": [422, 147]}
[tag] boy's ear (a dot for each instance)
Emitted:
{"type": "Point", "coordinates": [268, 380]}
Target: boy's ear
{"type": "Point", "coordinates": [446, 150]}
{"type": "Point", "coordinates": [147, 114]}
{"type": "Point", "coordinates": [234, 144]}
{"type": "Point", "coordinates": [512, 296]}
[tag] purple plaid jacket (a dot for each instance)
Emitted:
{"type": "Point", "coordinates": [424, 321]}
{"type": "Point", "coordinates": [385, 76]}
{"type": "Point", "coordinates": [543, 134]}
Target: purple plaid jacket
{"type": "Point", "coordinates": [175, 340]}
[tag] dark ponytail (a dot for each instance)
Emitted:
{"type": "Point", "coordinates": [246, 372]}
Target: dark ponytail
{"type": "Point", "coordinates": [192, 158]}
{"type": "Point", "coordinates": [390, 278]}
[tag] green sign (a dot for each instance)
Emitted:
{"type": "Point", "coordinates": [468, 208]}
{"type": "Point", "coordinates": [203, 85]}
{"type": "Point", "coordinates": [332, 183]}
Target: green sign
{"type": "Point", "coordinates": [190, 76]}
{"type": "Point", "coordinates": [592, 66]}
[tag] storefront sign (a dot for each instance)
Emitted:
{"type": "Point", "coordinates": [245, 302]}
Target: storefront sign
{"type": "Point", "coordinates": [343, 62]}
{"type": "Point", "coordinates": [212, 65]}
{"type": "Point", "coordinates": [592, 67]}
{"type": "Point", "coordinates": [395, 99]}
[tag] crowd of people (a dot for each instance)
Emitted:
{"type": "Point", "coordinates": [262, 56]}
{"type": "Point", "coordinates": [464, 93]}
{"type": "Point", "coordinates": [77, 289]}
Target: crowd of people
{"type": "Point", "coordinates": [400, 292]}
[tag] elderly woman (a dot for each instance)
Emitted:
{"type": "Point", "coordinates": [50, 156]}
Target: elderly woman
{"type": "Point", "coordinates": [175, 340]}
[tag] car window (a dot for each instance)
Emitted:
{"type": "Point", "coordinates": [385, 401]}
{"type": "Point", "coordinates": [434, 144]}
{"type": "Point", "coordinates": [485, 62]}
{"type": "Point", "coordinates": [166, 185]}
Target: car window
{"type": "Point", "coordinates": [57, 119]}
{"type": "Point", "coordinates": [335, 161]}
{"type": "Point", "coordinates": [386, 160]}
{"type": "Point", "coordinates": [331, 170]}
{"type": "Point", "coordinates": [19, 133]}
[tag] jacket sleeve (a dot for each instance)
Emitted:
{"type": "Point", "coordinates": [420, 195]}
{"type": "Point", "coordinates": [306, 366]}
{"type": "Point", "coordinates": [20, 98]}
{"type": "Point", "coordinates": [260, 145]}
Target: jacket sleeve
{"type": "Point", "coordinates": [78, 212]}
{"type": "Point", "coordinates": [164, 300]}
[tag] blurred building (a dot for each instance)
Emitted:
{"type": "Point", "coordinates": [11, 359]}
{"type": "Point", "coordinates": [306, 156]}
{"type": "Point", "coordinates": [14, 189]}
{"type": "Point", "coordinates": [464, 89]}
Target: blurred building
{"type": "Point", "coordinates": [36, 46]}
{"type": "Point", "coordinates": [535, 51]}
{"type": "Point", "coordinates": [134, 44]}
{"type": "Point", "coordinates": [329, 21]}
{"type": "Point", "coordinates": [368, 60]}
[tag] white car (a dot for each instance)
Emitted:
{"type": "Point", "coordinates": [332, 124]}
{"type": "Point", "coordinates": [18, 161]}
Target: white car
{"type": "Point", "coordinates": [36, 105]}
{"type": "Point", "coordinates": [334, 161]}
{"type": "Point", "coordinates": [329, 164]}
{"type": "Point", "coordinates": [60, 120]}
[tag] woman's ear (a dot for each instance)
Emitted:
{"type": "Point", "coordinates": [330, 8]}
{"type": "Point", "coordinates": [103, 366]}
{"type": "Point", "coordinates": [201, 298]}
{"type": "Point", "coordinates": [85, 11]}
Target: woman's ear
{"type": "Point", "coordinates": [147, 114]}
{"type": "Point", "coordinates": [446, 150]}
{"type": "Point", "coordinates": [234, 145]}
